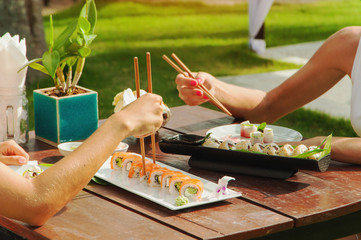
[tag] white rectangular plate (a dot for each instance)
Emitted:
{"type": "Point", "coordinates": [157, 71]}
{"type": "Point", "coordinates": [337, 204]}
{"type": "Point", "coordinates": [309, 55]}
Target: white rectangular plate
{"type": "Point", "coordinates": [156, 194]}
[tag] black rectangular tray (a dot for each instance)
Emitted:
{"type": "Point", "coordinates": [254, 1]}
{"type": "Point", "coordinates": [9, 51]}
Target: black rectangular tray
{"type": "Point", "coordinates": [250, 163]}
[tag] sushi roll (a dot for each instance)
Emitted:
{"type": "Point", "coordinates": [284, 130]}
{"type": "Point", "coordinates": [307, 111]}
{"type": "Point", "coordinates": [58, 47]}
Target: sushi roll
{"type": "Point", "coordinates": [271, 149]}
{"type": "Point", "coordinates": [166, 114]}
{"type": "Point", "coordinates": [267, 135]}
{"type": "Point", "coordinates": [242, 124]}
{"type": "Point", "coordinates": [127, 162]}
{"type": "Point", "coordinates": [155, 176]}
{"type": "Point", "coordinates": [243, 144]}
{"type": "Point", "coordinates": [175, 183]}
{"type": "Point", "coordinates": [135, 168]}
{"type": "Point", "coordinates": [32, 172]}
{"type": "Point", "coordinates": [227, 145]}
{"type": "Point", "coordinates": [256, 137]}
{"type": "Point", "coordinates": [118, 159]}
{"type": "Point", "coordinates": [149, 166]}
{"type": "Point", "coordinates": [192, 189]}
{"type": "Point", "coordinates": [315, 156]}
{"type": "Point", "coordinates": [286, 150]}
{"type": "Point", "coordinates": [248, 129]}
{"type": "Point", "coordinates": [211, 142]}
{"type": "Point", "coordinates": [257, 147]}
{"type": "Point", "coordinates": [167, 176]}
{"type": "Point", "coordinates": [300, 149]}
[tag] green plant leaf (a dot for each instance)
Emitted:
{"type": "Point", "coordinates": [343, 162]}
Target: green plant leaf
{"type": "Point", "coordinates": [89, 39]}
{"type": "Point", "coordinates": [65, 35]}
{"type": "Point", "coordinates": [84, 51]}
{"type": "Point", "coordinates": [83, 24]}
{"type": "Point", "coordinates": [51, 62]}
{"type": "Point", "coordinates": [90, 14]}
{"type": "Point", "coordinates": [70, 61]}
{"type": "Point", "coordinates": [51, 37]}
{"type": "Point", "coordinates": [39, 67]}
{"type": "Point", "coordinates": [28, 63]}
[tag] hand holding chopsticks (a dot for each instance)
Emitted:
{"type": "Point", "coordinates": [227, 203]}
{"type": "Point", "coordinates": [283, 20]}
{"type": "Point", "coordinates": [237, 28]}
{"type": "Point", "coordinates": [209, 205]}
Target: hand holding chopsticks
{"type": "Point", "coordinates": [137, 85]}
{"type": "Point", "coordinates": [211, 97]}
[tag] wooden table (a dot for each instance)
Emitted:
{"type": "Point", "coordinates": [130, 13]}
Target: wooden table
{"type": "Point", "coordinates": [308, 205]}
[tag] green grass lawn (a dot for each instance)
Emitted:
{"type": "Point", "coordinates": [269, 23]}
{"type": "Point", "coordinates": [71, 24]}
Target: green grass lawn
{"type": "Point", "coordinates": [207, 38]}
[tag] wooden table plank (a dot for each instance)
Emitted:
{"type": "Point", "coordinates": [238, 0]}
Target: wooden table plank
{"type": "Point", "coordinates": [233, 218]}
{"type": "Point", "coordinates": [91, 217]}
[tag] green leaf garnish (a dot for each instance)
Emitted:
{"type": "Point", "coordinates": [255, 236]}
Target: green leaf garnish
{"type": "Point", "coordinates": [205, 138]}
{"type": "Point", "coordinates": [261, 127]}
{"type": "Point", "coordinates": [327, 146]}
{"type": "Point", "coordinates": [309, 153]}
{"type": "Point", "coordinates": [100, 181]}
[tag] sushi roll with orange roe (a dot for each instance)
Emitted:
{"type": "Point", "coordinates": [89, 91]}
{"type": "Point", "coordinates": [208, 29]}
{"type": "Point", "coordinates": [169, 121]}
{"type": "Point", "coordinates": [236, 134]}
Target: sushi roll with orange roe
{"type": "Point", "coordinates": [192, 189]}
{"type": "Point", "coordinates": [149, 166]}
{"type": "Point", "coordinates": [166, 178]}
{"type": "Point", "coordinates": [122, 160]}
{"type": "Point", "coordinates": [175, 183]}
{"type": "Point", "coordinates": [117, 159]}
{"type": "Point", "coordinates": [155, 176]}
{"type": "Point", "coordinates": [127, 162]}
{"type": "Point", "coordinates": [136, 167]}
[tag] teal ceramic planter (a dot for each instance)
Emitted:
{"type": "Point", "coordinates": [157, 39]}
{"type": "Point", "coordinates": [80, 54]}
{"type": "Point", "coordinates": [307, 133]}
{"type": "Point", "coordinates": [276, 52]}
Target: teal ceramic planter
{"type": "Point", "coordinates": [65, 119]}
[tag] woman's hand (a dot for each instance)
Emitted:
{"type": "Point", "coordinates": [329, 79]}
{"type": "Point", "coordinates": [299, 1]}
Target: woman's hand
{"type": "Point", "coordinates": [12, 154]}
{"type": "Point", "coordinates": [189, 90]}
{"type": "Point", "coordinates": [143, 116]}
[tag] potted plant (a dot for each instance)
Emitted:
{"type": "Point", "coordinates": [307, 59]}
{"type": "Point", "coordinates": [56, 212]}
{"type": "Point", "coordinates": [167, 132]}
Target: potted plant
{"type": "Point", "coordinates": [66, 112]}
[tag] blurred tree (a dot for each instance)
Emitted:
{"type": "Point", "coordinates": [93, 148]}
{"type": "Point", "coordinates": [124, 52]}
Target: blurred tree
{"type": "Point", "coordinates": [23, 17]}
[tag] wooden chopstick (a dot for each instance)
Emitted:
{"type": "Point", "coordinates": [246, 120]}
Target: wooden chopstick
{"type": "Point", "coordinates": [201, 86]}
{"type": "Point", "coordinates": [137, 86]}
{"type": "Point", "coordinates": [149, 74]}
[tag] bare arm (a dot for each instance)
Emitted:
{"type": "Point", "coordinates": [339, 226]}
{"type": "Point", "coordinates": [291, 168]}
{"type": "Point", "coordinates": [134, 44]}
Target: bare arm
{"type": "Point", "coordinates": [36, 200]}
{"type": "Point", "coordinates": [330, 63]}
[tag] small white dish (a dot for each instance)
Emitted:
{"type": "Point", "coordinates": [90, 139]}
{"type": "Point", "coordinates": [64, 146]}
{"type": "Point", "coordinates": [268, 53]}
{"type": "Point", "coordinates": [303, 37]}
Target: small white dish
{"type": "Point", "coordinates": [67, 147]}
{"type": "Point", "coordinates": [122, 147]}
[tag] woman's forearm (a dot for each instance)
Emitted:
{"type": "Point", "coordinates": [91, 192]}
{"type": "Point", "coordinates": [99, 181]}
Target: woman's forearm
{"type": "Point", "coordinates": [74, 171]}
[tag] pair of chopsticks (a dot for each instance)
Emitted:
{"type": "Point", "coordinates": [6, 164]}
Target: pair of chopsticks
{"type": "Point", "coordinates": [137, 85]}
{"type": "Point", "coordinates": [211, 97]}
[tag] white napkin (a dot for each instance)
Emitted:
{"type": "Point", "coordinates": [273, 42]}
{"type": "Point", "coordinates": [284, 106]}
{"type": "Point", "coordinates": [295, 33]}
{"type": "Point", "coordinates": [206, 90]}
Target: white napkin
{"type": "Point", "coordinates": [125, 97]}
{"type": "Point", "coordinates": [12, 58]}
